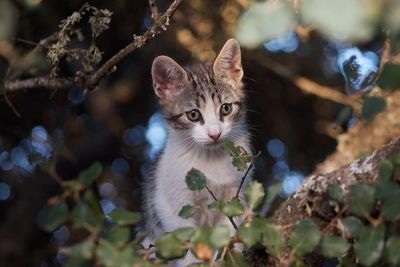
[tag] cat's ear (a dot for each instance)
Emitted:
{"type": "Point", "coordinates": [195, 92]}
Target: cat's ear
{"type": "Point", "coordinates": [228, 64]}
{"type": "Point", "coordinates": [167, 75]}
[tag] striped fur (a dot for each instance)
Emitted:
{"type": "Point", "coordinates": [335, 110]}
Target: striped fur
{"type": "Point", "coordinates": [192, 144]}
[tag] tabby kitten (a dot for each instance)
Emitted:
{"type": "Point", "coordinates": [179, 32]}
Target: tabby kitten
{"type": "Point", "coordinates": [204, 106]}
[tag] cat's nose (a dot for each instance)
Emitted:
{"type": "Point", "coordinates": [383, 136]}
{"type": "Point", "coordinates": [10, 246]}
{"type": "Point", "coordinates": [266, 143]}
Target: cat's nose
{"type": "Point", "coordinates": [214, 137]}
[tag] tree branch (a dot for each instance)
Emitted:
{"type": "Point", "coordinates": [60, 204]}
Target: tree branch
{"type": "Point", "coordinates": [308, 86]}
{"type": "Point", "coordinates": [92, 80]}
{"type": "Point", "coordinates": [311, 199]}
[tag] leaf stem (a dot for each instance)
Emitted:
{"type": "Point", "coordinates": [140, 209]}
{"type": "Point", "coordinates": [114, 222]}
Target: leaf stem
{"type": "Point", "coordinates": [229, 218]}
{"type": "Point", "coordinates": [243, 179]}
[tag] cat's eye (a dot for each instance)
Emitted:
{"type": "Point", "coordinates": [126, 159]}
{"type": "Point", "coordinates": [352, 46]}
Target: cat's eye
{"type": "Point", "coordinates": [193, 115]}
{"type": "Point", "coordinates": [226, 109]}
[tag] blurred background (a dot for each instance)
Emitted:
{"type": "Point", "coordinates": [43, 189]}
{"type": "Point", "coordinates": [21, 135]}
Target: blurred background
{"type": "Point", "coordinates": [119, 123]}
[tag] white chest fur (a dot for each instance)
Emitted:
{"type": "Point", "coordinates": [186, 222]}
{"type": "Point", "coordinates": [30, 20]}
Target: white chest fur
{"type": "Point", "coordinates": [171, 192]}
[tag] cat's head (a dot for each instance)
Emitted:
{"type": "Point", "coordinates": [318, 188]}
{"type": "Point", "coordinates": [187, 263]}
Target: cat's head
{"type": "Point", "coordinates": [203, 103]}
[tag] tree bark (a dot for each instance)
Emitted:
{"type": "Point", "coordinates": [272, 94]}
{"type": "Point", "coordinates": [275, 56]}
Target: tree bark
{"type": "Point", "coordinates": [311, 199]}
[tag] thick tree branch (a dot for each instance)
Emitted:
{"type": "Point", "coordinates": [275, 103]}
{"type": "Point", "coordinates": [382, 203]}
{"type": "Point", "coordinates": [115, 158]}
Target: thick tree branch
{"type": "Point", "coordinates": [311, 199]}
{"type": "Point", "coordinates": [92, 80]}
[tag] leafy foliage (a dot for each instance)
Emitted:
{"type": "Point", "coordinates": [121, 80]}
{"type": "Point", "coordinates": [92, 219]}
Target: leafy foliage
{"type": "Point", "coordinates": [364, 225]}
{"type": "Point", "coordinates": [304, 237]}
{"type": "Point", "coordinates": [240, 157]}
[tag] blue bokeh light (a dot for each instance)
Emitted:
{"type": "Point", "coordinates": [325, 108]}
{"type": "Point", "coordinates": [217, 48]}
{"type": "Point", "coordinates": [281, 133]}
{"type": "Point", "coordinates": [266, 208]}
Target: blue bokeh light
{"type": "Point", "coordinates": [280, 169]}
{"type": "Point", "coordinates": [39, 133]}
{"type": "Point", "coordinates": [291, 182]}
{"type": "Point", "coordinates": [352, 121]}
{"type": "Point", "coordinates": [107, 206]}
{"type": "Point", "coordinates": [287, 43]}
{"type": "Point", "coordinates": [107, 191]}
{"type": "Point", "coordinates": [19, 158]}
{"type": "Point", "coordinates": [156, 134]}
{"type": "Point", "coordinates": [5, 162]}
{"type": "Point", "coordinates": [76, 96]}
{"type": "Point", "coordinates": [61, 257]}
{"type": "Point", "coordinates": [120, 165]}
{"type": "Point", "coordinates": [276, 148]}
{"type": "Point", "coordinates": [36, 149]}
{"type": "Point", "coordinates": [359, 69]}
{"type": "Point", "coordinates": [5, 191]}
{"type": "Point", "coordinates": [61, 235]}
{"type": "Point", "coordinates": [134, 136]}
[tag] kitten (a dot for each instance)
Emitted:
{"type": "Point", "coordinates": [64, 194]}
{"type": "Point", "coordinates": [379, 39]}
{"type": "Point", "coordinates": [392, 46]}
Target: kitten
{"type": "Point", "coordinates": [204, 106]}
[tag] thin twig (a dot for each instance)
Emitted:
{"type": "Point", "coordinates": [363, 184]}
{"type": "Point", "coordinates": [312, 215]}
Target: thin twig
{"type": "Point", "coordinates": [215, 198]}
{"type": "Point", "coordinates": [10, 104]}
{"type": "Point", "coordinates": [211, 193]}
{"type": "Point", "coordinates": [154, 10]}
{"type": "Point", "coordinates": [243, 179]}
{"type": "Point", "coordinates": [92, 80]}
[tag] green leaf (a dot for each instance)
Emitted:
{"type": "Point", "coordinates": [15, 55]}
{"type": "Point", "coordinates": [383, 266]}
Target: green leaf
{"type": "Point", "coordinates": [305, 237]}
{"type": "Point", "coordinates": [264, 21]}
{"type": "Point", "coordinates": [273, 239]}
{"type": "Point", "coordinates": [233, 208]}
{"type": "Point", "coordinates": [219, 236]}
{"type": "Point", "coordinates": [272, 193]}
{"type": "Point", "coordinates": [386, 170]}
{"type": "Point", "coordinates": [90, 175]}
{"type": "Point", "coordinates": [169, 247]}
{"type": "Point", "coordinates": [195, 180]}
{"type": "Point", "coordinates": [52, 216]}
{"type": "Point", "coordinates": [111, 256]}
{"type": "Point", "coordinates": [79, 253]}
{"type": "Point", "coordinates": [187, 211]}
{"type": "Point", "coordinates": [336, 192]}
{"type": "Point", "coordinates": [352, 226]}
{"type": "Point", "coordinates": [124, 217]}
{"type": "Point", "coordinates": [344, 20]}
{"type": "Point", "coordinates": [94, 206]}
{"type": "Point", "coordinates": [216, 205]}
{"type": "Point", "coordinates": [388, 192]}
{"type": "Point", "coordinates": [370, 244]}
{"type": "Point", "coordinates": [82, 215]}
{"type": "Point", "coordinates": [117, 236]}
{"type": "Point", "coordinates": [240, 158]}
{"type": "Point", "coordinates": [333, 246]}
{"type": "Point", "coordinates": [250, 231]}
{"type": "Point", "coordinates": [236, 259]}
{"type": "Point", "coordinates": [202, 235]}
{"type": "Point", "coordinates": [395, 159]}
{"type": "Point", "coordinates": [361, 199]}
{"type": "Point", "coordinates": [389, 78]}
{"type": "Point", "coordinates": [391, 253]}
{"type": "Point", "coordinates": [184, 233]}
{"type": "Point", "coordinates": [371, 106]}
{"type": "Point", "coordinates": [254, 194]}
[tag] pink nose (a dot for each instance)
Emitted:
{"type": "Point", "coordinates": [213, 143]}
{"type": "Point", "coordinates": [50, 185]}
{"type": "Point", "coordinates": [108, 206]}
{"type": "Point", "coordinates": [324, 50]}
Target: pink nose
{"type": "Point", "coordinates": [214, 136]}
